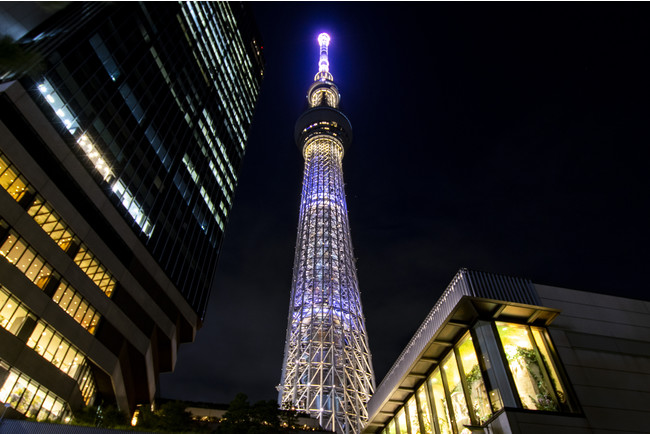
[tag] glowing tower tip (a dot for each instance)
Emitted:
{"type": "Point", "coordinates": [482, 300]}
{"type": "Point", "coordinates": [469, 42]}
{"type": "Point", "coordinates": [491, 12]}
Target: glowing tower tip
{"type": "Point", "coordinates": [323, 62]}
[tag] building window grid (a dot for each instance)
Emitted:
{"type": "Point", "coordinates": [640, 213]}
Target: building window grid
{"type": "Point", "coordinates": [54, 226]}
{"type": "Point", "coordinates": [76, 306]}
{"type": "Point", "coordinates": [12, 312]}
{"type": "Point", "coordinates": [118, 188]}
{"type": "Point", "coordinates": [11, 179]}
{"type": "Point", "coordinates": [20, 254]}
{"type": "Point", "coordinates": [57, 350]}
{"type": "Point", "coordinates": [32, 399]}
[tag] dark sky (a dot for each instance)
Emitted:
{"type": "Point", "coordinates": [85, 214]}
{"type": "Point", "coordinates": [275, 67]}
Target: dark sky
{"type": "Point", "coordinates": [503, 137]}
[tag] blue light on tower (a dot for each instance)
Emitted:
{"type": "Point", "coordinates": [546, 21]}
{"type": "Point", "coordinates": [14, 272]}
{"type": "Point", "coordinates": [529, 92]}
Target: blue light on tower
{"type": "Point", "coordinates": [327, 369]}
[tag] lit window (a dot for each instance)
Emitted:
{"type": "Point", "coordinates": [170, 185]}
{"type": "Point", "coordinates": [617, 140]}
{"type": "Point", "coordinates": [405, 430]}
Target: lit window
{"type": "Point", "coordinates": [478, 396]}
{"type": "Point", "coordinates": [58, 105]}
{"type": "Point", "coordinates": [414, 423]}
{"type": "Point", "coordinates": [456, 393]}
{"type": "Point", "coordinates": [534, 376]}
{"type": "Point", "coordinates": [427, 425]}
{"type": "Point", "coordinates": [30, 398]}
{"type": "Point", "coordinates": [440, 403]}
{"type": "Point", "coordinates": [401, 421]}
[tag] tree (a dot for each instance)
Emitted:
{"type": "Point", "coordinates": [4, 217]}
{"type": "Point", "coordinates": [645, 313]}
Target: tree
{"type": "Point", "coordinates": [106, 416]}
{"type": "Point", "coordinates": [289, 415]}
{"type": "Point", "coordinates": [174, 417]}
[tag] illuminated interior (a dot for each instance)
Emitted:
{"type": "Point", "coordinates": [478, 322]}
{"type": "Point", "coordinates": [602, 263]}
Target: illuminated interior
{"type": "Point", "coordinates": [49, 344]}
{"type": "Point", "coordinates": [30, 398]}
{"type": "Point", "coordinates": [94, 155]}
{"type": "Point", "coordinates": [454, 397]}
{"type": "Point", "coordinates": [18, 253]}
{"type": "Point", "coordinates": [531, 367]}
{"type": "Point", "coordinates": [57, 350]}
{"type": "Point", "coordinates": [55, 227]}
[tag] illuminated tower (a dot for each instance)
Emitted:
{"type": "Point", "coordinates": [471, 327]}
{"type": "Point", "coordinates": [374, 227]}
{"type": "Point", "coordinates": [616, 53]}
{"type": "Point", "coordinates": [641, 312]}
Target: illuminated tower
{"type": "Point", "coordinates": [327, 366]}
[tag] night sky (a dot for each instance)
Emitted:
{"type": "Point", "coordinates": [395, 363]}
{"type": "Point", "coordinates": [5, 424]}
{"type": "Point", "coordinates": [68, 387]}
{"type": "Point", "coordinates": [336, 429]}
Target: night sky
{"type": "Point", "coordinates": [502, 137]}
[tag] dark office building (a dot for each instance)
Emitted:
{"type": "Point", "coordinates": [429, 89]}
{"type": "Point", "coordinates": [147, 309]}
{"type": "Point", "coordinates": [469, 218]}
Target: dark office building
{"type": "Point", "coordinates": [121, 147]}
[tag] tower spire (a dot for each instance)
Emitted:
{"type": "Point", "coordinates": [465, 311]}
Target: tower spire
{"type": "Point", "coordinates": [327, 370]}
{"type": "Point", "coordinates": [323, 61]}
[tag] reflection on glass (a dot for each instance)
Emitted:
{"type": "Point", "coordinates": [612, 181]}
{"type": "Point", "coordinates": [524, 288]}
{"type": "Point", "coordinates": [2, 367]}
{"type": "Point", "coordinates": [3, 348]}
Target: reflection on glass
{"type": "Point", "coordinates": [414, 423]}
{"type": "Point", "coordinates": [440, 402]}
{"type": "Point", "coordinates": [527, 370]}
{"type": "Point", "coordinates": [425, 412]}
{"type": "Point", "coordinates": [401, 421]}
{"type": "Point", "coordinates": [455, 387]}
{"type": "Point", "coordinates": [550, 366]}
{"type": "Point", "coordinates": [478, 395]}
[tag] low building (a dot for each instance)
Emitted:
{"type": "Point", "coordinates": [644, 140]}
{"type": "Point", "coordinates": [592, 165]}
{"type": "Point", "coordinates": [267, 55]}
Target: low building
{"type": "Point", "coordinates": [500, 354]}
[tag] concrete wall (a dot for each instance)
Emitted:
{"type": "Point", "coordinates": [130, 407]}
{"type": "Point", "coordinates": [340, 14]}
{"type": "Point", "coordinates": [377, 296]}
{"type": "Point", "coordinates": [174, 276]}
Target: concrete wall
{"type": "Point", "coordinates": [604, 344]}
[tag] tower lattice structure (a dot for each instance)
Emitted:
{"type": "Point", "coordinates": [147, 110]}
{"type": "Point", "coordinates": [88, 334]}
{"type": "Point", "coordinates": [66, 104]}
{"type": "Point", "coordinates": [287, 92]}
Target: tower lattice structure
{"type": "Point", "coordinates": [327, 369]}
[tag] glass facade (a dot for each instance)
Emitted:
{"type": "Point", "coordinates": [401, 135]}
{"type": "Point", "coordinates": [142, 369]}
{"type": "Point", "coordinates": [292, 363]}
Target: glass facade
{"type": "Point", "coordinates": [61, 353]}
{"type": "Point", "coordinates": [454, 396]}
{"type": "Point", "coordinates": [30, 398]}
{"type": "Point", "coordinates": [18, 253]}
{"type": "Point", "coordinates": [54, 226]}
{"type": "Point", "coordinates": [155, 102]}
{"type": "Point", "coordinates": [47, 342]}
{"type": "Point", "coordinates": [12, 312]}
{"type": "Point", "coordinates": [158, 102]}
{"type": "Point", "coordinates": [531, 367]}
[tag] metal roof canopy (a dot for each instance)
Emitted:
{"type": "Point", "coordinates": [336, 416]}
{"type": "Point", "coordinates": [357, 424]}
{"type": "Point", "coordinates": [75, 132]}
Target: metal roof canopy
{"type": "Point", "coordinates": [461, 299]}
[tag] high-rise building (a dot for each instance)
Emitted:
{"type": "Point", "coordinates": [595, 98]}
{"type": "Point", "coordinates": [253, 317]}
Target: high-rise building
{"type": "Point", "coordinates": [119, 160]}
{"type": "Point", "coordinates": [327, 369]}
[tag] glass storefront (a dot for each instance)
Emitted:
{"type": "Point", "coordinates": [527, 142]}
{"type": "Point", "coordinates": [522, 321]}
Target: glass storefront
{"type": "Point", "coordinates": [455, 396]}
{"type": "Point", "coordinates": [478, 397]}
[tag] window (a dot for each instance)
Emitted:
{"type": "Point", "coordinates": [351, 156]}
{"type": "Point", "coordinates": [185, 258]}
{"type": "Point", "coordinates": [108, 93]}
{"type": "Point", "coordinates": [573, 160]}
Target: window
{"type": "Point", "coordinates": [93, 269]}
{"type": "Point", "coordinates": [440, 402]}
{"type": "Point", "coordinates": [531, 367]}
{"type": "Point", "coordinates": [455, 394]}
{"type": "Point", "coordinates": [30, 398]}
{"type": "Point", "coordinates": [391, 427]}
{"type": "Point", "coordinates": [11, 180]}
{"type": "Point", "coordinates": [427, 426]}
{"type": "Point", "coordinates": [12, 312]}
{"type": "Point", "coordinates": [401, 422]}
{"type": "Point", "coordinates": [478, 397]}
{"type": "Point", "coordinates": [54, 226]}
{"type": "Point", "coordinates": [18, 253]}
{"type": "Point", "coordinates": [413, 416]}
{"type": "Point", "coordinates": [51, 223]}
{"type": "Point", "coordinates": [61, 353]}
{"type": "Point", "coordinates": [76, 306]}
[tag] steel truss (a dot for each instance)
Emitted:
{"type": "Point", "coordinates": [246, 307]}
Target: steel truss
{"type": "Point", "coordinates": [327, 370]}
